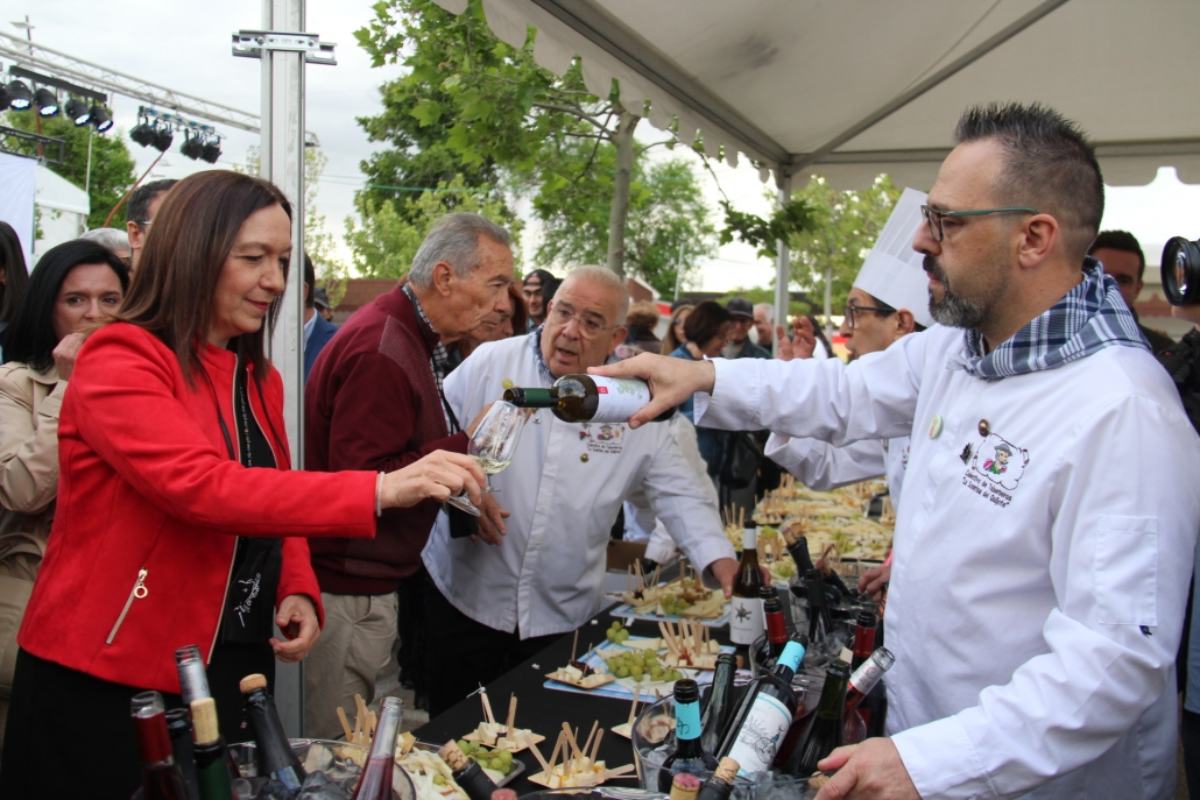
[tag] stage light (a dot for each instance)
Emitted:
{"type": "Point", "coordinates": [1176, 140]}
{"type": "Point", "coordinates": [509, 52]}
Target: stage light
{"type": "Point", "coordinates": [142, 133]}
{"type": "Point", "coordinates": [163, 136]}
{"type": "Point", "coordinates": [192, 147]}
{"type": "Point", "coordinates": [78, 112]}
{"type": "Point", "coordinates": [19, 95]}
{"type": "Point", "coordinates": [99, 116]}
{"type": "Point", "coordinates": [212, 150]}
{"type": "Point", "coordinates": [46, 102]}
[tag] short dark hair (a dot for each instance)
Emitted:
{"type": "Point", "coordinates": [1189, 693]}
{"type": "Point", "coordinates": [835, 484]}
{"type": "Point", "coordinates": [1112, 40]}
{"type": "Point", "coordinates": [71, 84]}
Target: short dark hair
{"type": "Point", "coordinates": [30, 339]}
{"type": "Point", "coordinates": [1050, 166]}
{"type": "Point", "coordinates": [1121, 241]}
{"type": "Point", "coordinates": [139, 202]}
{"type": "Point", "coordinates": [705, 321]}
{"type": "Point", "coordinates": [16, 272]}
{"type": "Point", "coordinates": [194, 233]}
{"type": "Point", "coordinates": [310, 282]}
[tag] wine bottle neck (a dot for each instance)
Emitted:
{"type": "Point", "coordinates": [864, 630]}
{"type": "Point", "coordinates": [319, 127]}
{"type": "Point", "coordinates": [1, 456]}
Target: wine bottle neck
{"type": "Point", "coordinates": [833, 695]}
{"type": "Point", "coordinates": [531, 397]}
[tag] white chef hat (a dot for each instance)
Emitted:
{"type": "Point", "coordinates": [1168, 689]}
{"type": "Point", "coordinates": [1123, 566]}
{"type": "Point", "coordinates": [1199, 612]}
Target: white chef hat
{"type": "Point", "coordinates": [893, 271]}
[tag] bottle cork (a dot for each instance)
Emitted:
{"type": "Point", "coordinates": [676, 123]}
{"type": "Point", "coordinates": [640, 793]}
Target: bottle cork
{"type": "Point", "coordinates": [204, 721]}
{"type": "Point", "coordinates": [252, 683]}
{"type": "Point", "coordinates": [684, 787]}
{"type": "Point", "coordinates": [727, 769]}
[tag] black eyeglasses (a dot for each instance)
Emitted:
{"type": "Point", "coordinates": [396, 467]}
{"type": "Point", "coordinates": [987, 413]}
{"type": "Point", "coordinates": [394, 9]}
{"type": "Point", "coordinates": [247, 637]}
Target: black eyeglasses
{"type": "Point", "coordinates": [853, 310]}
{"type": "Point", "coordinates": [936, 217]}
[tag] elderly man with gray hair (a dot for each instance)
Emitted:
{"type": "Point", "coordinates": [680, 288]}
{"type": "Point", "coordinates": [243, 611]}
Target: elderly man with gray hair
{"type": "Point", "coordinates": [374, 401]}
{"type": "Point", "coordinates": [491, 607]}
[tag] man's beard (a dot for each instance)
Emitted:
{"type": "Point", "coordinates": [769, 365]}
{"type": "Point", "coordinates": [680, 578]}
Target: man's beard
{"type": "Point", "coordinates": [952, 309]}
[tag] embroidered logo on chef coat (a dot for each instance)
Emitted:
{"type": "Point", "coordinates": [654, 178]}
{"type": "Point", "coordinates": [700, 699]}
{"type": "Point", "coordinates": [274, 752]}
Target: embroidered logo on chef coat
{"type": "Point", "coordinates": [605, 437]}
{"type": "Point", "coordinates": [996, 469]}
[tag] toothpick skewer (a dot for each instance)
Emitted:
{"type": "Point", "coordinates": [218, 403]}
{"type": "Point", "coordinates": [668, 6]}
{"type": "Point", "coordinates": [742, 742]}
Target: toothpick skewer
{"type": "Point", "coordinates": [587, 745]}
{"type": "Point", "coordinates": [487, 707]}
{"type": "Point", "coordinates": [512, 715]}
{"type": "Point", "coordinates": [572, 742]}
{"type": "Point", "coordinates": [346, 729]}
{"type": "Point", "coordinates": [537, 754]}
{"type": "Point", "coordinates": [596, 745]}
{"type": "Point", "coordinates": [558, 745]}
{"type": "Point", "coordinates": [574, 644]}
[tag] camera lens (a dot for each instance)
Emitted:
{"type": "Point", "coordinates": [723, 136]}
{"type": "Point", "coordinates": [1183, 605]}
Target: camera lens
{"type": "Point", "coordinates": [1181, 271]}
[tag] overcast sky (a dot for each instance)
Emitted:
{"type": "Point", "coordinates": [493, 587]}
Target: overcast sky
{"type": "Point", "coordinates": [186, 47]}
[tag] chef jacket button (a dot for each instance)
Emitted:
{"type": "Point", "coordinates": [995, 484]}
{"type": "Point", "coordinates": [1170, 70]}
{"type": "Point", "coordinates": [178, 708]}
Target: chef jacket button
{"type": "Point", "coordinates": [984, 428]}
{"type": "Point", "coordinates": [583, 457]}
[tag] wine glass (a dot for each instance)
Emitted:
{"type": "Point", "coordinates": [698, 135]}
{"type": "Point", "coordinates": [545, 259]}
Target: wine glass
{"type": "Point", "coordinates": [493, 444]}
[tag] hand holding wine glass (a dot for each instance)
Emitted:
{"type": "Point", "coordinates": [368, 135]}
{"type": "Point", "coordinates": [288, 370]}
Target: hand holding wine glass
{"type": "Point", "coordinates": [493, 443]}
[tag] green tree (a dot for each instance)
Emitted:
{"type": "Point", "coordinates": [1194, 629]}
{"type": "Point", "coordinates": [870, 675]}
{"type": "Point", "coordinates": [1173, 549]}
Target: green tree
{"type": "Point", "coordinates": [112, 167]}
{"type": "Point", "coordinates": [473, 106]}
{"type": "Point", "coordinates": [392, 230]}
{"type": "Point", "coordinates": [826, 256]}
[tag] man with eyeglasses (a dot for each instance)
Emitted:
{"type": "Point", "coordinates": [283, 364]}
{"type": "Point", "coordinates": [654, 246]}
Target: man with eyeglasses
{"type": "Point", "coordinates": [1035, 608]}
{"type": "Point", "coordinates": [491, 607]}
{"type": "Point", "coordinates": [139, 215]}
{"type": "Point", "coordinates": [888, 301]}
{"type": "Point", "coordinates": [1121, 256]}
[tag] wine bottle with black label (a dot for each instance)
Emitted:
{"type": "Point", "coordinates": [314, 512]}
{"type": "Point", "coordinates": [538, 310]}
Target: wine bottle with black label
{"type": "Point", "coordinates": [689, 756]}
{"type": "Point", "coordinates": [745, 608]}
{"type": "Point", "coordinates": [587, 398]}
{"type": "Point", "coordinates": [718, 709]}
{"type": "Point", "coordinates": [720, 785]}
{"type": "Point", "coordinates": [467, 773]}
{"type": "Point", "coordinates": [826, 731]}
{"type": "Point", "coordinates": [273, 752]}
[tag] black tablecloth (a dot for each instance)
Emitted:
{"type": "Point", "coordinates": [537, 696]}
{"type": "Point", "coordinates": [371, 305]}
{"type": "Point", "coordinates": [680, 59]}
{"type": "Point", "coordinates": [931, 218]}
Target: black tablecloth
{"type": "Point", "coordinates": [544, 710]}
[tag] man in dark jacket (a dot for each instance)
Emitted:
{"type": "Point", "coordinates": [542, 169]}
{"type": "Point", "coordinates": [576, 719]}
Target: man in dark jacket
{"type": "Point", "coordinates": [374, 401]}
{"type": "Point", "coordinates": [1121, 256]}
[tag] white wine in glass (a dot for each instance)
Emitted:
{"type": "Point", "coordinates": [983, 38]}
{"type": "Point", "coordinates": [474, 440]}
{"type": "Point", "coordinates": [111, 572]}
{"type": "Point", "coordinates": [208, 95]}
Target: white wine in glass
{"type": "Point", "coordinates": [493, 444]}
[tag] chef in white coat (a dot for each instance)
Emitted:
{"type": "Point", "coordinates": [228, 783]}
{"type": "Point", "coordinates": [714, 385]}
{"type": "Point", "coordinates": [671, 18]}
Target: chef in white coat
{"type": "Point", "coordinates": [888, 300]}
{"type": "Point", "coordinates": [491, 607]}
{"type": "Point", "coordinates": [1048, 519]}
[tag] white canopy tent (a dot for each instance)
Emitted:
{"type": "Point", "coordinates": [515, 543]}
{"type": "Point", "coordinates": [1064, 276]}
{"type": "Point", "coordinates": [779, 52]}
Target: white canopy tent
{"type": "Point", "coordinates": [858, 87]}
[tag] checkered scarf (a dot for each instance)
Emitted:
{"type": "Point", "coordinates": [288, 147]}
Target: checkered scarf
{"type": "Point", "coordinates": [1088, 318]}
{"type": "Point", "coordinates": [439, 360]}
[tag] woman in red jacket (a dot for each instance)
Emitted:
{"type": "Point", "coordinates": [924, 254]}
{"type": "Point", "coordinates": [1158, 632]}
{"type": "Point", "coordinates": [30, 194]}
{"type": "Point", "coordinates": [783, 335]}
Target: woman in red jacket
{"type": "Point", "coordinates": [177, 521]}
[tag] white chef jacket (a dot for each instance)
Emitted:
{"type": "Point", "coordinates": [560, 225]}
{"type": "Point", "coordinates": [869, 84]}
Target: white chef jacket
{"type": "Point", "coordinates": [563, 490]}
{"type": "Point", "coordinates": [820, 465]}
{"type": "Point", "coordinates": [1036, 599]}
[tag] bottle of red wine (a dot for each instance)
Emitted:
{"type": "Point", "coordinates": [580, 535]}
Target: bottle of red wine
{"type": "Point", "coordinates": [272, 751]}
{"type": "Point", "coordinates": [587, 398]}
{"type": "Point", "coordinates": [798, 549]}
{"type": "Point", "coordinates": [864, 637]}
{"type": "Point", "coordinates": [375, 782]}
{"type": "Point", "coordinates": [768, 716]}
{"type": "Point", "coordinates": [745, 609]}
{"type": "Point", "coordinates": [179, 728]}
{"type": "Point", "coordinates": [768, 646]}
{"type": "Point", "coordinates": [467, 773]}
{"type": "Point", "coordinates": [720, 785]}
{"type": "Point", "coordinates": [161, 778]}
{"type": "Point", "coordinates": [689, 756]}
{"type": "Point", "coordinates": [718, 709]}
{"type": "Point", "coordinates": [826, 731]}
{"type": "Point", "coordinates": [212, 766]}
{"type": "Point", "coordinates": [866, 699]}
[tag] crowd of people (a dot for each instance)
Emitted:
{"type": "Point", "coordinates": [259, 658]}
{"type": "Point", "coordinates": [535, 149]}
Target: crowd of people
{"type": "Point", "coordinates": [1041, 464]}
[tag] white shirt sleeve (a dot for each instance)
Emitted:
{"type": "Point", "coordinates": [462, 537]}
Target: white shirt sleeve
{"type": "Point", "coordinates": [874, 397]}
{"type": "Point", "coordinates": [683, 497]}
{"type": "Point", "coordinates": [820, 465]}
{"type": "Point", "coordinates": [1122, 534]}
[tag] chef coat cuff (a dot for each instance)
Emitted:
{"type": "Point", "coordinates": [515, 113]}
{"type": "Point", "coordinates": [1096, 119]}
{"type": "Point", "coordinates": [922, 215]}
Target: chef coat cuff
{"type": "Point", "coordinates": [733, 404]}
{"type": "Point", "coordinates": [942, 760]}
{"type": "Point", "coordinates": [708, 552]}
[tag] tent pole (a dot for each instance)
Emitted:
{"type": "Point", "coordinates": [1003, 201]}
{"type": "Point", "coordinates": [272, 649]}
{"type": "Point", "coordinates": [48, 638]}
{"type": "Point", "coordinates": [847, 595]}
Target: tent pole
{"type": "Point", "coordinates": [783, 268]}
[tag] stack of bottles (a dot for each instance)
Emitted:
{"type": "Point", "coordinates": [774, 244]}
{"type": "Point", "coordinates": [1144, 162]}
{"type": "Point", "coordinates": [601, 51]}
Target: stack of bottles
{"type": "Point", "coordinates": [184, 757]}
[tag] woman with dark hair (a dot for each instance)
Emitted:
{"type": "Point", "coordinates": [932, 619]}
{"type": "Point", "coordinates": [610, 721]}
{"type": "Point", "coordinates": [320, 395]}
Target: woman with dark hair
{"type": "Point", "coordinates": [173, 495]}
{"type": "Point", "coordinates": [76, 285]}
{"type": "Point", "coordinates": [14, 277]}
{"type": "Point", "coordinates": [706, 330]}
{"type": "Point", "coordinates": [675, 335]}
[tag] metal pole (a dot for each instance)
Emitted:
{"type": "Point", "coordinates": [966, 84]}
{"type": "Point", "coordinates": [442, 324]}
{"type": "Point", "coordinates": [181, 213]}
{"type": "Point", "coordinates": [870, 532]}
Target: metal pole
{"type": "Point", "coordinates": [282, 155]}
{"type": "Point", "coordinates": [783, 266]}
{"type": "Point", "coordinates": [87, 175]}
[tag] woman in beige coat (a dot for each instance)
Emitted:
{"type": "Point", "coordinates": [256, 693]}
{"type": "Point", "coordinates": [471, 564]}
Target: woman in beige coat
{"type": "Point", "coordinates": [74, 287]}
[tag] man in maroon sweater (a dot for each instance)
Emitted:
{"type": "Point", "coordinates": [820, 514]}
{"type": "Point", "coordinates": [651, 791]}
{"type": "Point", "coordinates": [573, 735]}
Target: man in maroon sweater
{"type": "Point", "coordinates": [373, 401]}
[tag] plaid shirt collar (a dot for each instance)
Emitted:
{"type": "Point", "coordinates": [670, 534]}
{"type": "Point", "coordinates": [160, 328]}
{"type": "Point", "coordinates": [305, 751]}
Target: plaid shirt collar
{"type": "Point", "coordinates": [1088, 318]}
{"type": "Point", "coordinates": [439, 359]}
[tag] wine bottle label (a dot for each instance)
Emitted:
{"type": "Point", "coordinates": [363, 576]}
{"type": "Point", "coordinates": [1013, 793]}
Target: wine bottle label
{"type": "Point", "coordinates": [760, 735]}
{"type": "Point", "coordinates": [618, 398]}
{"type": "Point", "coordinates": [745, 619]}
{"type": "Point", "coordinates": [866, 676]}
{"type": "Point", "coordinates": [687, 720]}
{"type": "Point", "coordinates": [749, 539]}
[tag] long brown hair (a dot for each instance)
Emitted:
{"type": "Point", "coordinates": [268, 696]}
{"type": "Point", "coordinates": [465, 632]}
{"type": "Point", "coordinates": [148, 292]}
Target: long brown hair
{"type": "Point", "coordinates": [192, 236]}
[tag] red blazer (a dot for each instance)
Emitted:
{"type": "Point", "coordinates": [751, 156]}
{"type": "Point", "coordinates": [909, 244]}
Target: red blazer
{"type": "Point", "coordinates": [149, 505]}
